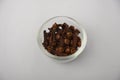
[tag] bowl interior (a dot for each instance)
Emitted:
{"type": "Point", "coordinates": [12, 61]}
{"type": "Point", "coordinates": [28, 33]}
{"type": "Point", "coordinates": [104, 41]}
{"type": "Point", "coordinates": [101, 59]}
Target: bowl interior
{"type": "Point", "coordinates": [61, 20]}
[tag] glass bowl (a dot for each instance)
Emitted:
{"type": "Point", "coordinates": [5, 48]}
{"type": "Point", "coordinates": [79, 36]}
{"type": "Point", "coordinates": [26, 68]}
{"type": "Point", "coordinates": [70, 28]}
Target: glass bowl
{"type": "Point", "coordinates": [61, 20]}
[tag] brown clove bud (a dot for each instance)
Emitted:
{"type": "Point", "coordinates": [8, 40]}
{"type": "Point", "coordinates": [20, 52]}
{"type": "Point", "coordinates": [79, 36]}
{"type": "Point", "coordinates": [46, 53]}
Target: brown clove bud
{"type": "Point", "coordinates": [71, 28]}
{"type": "Point", "coordinates": [54, 27]}
{"type": "Point", "coordinates": [66, 41]}
{"type": "Point", "coordinates": [67, 50]}
{"type": "Point", "coordinates": [59, 49]}
{"type": "Point", "coordinates": [77, 31]}
{"type": "Point", "coordinates": [68, 34]}
{"type": "Point", "coordinates": [73, 50]}
{"type": "Point", "coordinates": [57, 37]}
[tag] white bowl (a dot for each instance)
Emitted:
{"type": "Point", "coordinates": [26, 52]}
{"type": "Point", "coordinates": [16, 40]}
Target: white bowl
{"type": "Point", "coordinates": [61, 20]}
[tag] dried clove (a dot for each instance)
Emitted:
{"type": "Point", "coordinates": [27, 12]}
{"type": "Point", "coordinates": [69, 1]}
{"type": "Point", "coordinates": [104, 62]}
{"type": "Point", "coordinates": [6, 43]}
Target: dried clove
{"type": "Point", "coordinates": [57, 36]}
{"type": "Point", "coordinates": [66, 41]}
{"type": "Point", "coordinates": [62, 39]}
{"type": "Point", "coordinates": [67, 50]}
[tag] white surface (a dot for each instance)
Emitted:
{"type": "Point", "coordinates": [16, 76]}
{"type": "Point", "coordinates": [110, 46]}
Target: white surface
{"type": "Point", "coordinates": [21, 58]}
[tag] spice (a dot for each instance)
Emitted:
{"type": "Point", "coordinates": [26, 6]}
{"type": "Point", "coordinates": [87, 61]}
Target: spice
{"type": "Point", "coordinates": [66, 41]}
{"type": "Point", "coordinates": [67, 50]}
{"type": "Point", "coordinates": [62, 39]}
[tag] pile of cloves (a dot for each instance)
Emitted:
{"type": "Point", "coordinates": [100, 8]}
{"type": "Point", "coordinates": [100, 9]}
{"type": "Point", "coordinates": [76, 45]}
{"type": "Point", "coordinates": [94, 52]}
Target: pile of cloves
{"type": "Point", "coordinates": [62, 39]}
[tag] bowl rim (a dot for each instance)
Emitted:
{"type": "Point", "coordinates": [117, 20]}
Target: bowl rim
{"type": "Point", "coordinates": [84, 43]}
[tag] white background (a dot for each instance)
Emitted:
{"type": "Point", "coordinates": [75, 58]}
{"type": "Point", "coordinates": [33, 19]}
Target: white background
{"type": "Point", "coordinates": [21, 58]}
